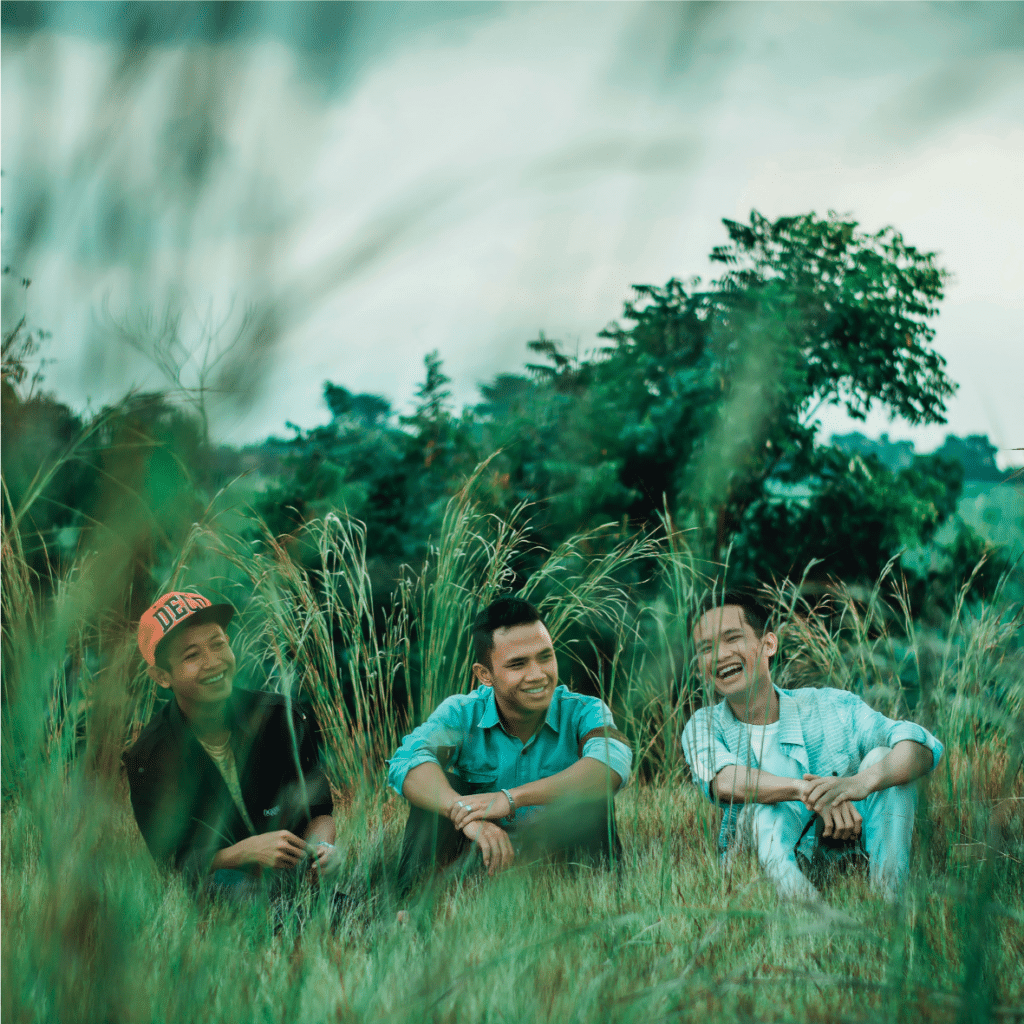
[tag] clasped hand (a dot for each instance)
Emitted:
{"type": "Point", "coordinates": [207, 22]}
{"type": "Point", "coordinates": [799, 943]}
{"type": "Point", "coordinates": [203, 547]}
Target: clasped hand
{"type": "Point", "coordinates": [465, 809]}
{"type": "Point", "coordinates": [831, 797]}
{"type": "Point", "coordinates": [283, 849]}
{"type": "Point", "coordinates": [469, 814]}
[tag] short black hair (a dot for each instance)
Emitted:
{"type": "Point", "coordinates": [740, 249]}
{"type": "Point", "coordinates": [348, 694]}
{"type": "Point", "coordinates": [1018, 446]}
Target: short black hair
{"type": "Point", "coordinates": [755, 614]}
{"type": "Point", "coordinates": [500, 614]}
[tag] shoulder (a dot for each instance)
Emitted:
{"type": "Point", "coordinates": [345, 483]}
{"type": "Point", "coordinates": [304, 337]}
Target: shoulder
{"type": "Point", "coordinates": [709, 713]}
{"type": "Point", "coordinates": [156, 733]}
{"type": "Point", "coordinates": [568, 702]}
{"type": "Point", "coordinates": [571, 698]}
{"type": "Point", "coordinates": [463, 705]}
{"type": "Point", "coordinates": [705, 720]}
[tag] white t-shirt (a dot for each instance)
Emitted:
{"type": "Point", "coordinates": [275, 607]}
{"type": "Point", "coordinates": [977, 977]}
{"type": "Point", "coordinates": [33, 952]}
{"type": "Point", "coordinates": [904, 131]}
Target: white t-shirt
{"type": "Point", "coordinates": [764, 742]}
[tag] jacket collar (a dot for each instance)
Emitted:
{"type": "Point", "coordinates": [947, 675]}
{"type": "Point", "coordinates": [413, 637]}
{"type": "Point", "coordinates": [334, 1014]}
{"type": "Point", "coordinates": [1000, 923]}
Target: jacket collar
{"type": "Point", "coordinates": [238, 715]}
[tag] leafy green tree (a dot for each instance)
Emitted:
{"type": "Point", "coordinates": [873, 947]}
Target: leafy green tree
{"type": "Point", "coordinates": [705, 396]}
{"type": "Point", "coordinates": [393, 472]}
{"type": "Point", "coordinates": [976, 454]}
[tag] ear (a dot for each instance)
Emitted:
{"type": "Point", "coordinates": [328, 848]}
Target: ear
{"type": "Point", "coordinates": [159, 676]}
{"type": "Point", "coordinates": [771, 644]}
{"type": "Point", "coordinates": [482, 674]}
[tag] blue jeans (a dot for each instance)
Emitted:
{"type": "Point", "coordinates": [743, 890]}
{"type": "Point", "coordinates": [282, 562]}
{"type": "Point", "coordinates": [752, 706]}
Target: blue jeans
{"type": "Point", "coordinates": [775, 830]}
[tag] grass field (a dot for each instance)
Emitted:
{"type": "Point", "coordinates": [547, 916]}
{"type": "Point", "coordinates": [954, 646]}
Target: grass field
{"type": "Point", "coordinates": [94, 932]}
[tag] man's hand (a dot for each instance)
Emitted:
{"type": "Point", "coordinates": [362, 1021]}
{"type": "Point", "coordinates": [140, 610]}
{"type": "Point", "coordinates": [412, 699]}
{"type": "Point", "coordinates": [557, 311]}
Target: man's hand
{"type": "Point", "coordinates": [826, 792]}
{"type": "Point", "coordinates": [466, 809]}
{"type": "Point", "coordinates": [842, 821]}
{"type": "Point", "coordinates": [326, 862]}
{"type": "Point", "coordinates": [271, 849]}
{"type": "Point", "coordinates": [495, 845]}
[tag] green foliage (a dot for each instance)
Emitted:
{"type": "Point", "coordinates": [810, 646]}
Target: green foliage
{"type": "Point", "coordinates": [103, 935]}
{"type": "Point", "coordinates": [855, 516]}
{"type": "Point", "coordinates": [700, 401]}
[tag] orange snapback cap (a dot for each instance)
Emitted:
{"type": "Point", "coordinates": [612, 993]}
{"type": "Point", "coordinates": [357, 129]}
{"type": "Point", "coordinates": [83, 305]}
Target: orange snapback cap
{"type": "Point", "coordinates": [172, 610]}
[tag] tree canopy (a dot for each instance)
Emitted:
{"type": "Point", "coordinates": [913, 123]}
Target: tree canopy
{"type": "Point", "coordinates": [699, 402]}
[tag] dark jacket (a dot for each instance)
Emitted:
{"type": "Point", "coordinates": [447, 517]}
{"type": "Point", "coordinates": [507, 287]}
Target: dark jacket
{"type": "Point", "coordinates": [180, 799]}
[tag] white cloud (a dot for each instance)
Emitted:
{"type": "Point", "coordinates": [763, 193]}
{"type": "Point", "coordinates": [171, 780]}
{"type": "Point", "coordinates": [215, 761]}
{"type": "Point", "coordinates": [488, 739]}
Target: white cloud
{"type": "Point", "coordinates": [517, 175]}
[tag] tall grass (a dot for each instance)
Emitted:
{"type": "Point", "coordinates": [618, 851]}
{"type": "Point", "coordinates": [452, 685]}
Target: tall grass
{"type": "Point", "coordinates": [93, 931]}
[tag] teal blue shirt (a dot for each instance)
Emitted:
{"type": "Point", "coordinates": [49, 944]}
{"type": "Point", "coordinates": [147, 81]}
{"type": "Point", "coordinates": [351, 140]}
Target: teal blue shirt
{"type": "Point", "coordinates": [466, 738]}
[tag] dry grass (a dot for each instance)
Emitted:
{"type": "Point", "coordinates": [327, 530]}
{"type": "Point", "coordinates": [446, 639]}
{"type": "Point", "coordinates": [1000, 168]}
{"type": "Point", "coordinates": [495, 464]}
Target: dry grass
{"type": "Point", "coordinates": [94, 932]}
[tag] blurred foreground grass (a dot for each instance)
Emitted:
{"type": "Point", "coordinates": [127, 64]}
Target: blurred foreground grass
{"type": "Point", "coordinates": [93, 932]}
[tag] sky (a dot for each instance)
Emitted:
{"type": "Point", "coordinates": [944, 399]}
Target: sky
{"type": "Point", "coordinates": [344, 188]}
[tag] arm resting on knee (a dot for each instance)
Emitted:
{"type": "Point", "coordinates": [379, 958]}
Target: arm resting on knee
{"type": "Point", "coordinates": [907, 761]}
{"type": "Point", "coordinates": [588, 777]}
{"type": "Point", "coordinates": [742, 785]}
{"type": "Point", "coordinates": [425, 786]}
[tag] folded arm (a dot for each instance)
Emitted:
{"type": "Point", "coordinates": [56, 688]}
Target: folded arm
{"type": "Point", "coordinates": [586, 779]}
{"type": "Point", "coordinates": [908, 760]}
{"type": "Point", "coordinates": [426, 786]}
{"type": "Point", "coordinates": [741, 784]}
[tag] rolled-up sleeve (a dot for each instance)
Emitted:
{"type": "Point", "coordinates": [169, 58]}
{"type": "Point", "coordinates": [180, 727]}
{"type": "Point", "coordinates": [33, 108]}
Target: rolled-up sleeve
{"type": "Point", "coordinates": [873, 729]}
{"type": "Point", "coordinates": [705, 750]}
{"type": "Point", "coordinates": [444, 728]}
{"type": "Point", "coordinates": [614, 753]}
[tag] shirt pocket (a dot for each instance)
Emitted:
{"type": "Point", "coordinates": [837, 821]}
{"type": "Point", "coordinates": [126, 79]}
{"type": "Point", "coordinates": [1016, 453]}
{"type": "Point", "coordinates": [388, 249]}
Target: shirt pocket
{"type": "Point", "coordinates": [483, 779]}
{"type": "Point", "coordinates": [843, 764]}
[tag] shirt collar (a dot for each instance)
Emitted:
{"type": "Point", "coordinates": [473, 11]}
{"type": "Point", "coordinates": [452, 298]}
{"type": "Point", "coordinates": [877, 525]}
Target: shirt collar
{"type": "Point", "coordinates": [490, 718]}
{"type": "Point", "coordinates": [790, 730]}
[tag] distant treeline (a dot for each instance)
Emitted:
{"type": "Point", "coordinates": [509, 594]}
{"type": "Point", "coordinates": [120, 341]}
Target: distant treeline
{"type": "Point", "coordinates": [695, 413]}
{"type": "Point", "coordinates": [975, 454]}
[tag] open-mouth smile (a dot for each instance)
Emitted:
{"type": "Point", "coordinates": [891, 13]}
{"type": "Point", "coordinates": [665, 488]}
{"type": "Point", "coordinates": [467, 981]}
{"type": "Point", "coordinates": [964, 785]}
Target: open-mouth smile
{"type": "Point", "coordinates": [213, 679]}
{"type": "Point", "coordinates": [730, 672]}
{"type": "Point", "coordinates": [534, 690]}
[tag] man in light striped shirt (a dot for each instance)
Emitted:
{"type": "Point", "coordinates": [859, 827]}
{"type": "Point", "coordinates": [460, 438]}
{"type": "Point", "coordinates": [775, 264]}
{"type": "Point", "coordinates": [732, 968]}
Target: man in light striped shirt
{"type": "Point", "coordinates": [779, 759]}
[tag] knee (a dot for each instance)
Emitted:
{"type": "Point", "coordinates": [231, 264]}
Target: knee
{"type": "Point", "coordinates": [771, 829]}
{"type": "Point", "coordinates": [874, 756]}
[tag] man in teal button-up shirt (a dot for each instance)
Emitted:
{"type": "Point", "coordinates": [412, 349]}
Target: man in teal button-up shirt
{"type": "Point", "coordinates": [484, 764]}
{"type": "Point", "coordinates": [777, 758]}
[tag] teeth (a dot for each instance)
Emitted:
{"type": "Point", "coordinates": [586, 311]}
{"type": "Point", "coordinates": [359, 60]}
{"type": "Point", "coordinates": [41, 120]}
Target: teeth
{"type": "Point", "coordinates": [536, 689]}
{"type": "Point", "coordinates": [213, 679]}
{"type": "Point", "coordinates": [728, 673]}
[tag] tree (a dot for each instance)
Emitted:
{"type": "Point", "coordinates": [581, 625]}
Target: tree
{"type": "Point", "coordinates": [703, 395]}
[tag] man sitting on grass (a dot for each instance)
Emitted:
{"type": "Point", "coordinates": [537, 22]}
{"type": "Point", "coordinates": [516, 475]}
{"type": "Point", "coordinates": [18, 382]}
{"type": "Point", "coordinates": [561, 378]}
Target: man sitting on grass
{"type": "Point", "coordinates": [224, 780]}
{"type": "Point", "coordinates": [521, 766]}
{"type": "Point", "coordinates": [790, 757]}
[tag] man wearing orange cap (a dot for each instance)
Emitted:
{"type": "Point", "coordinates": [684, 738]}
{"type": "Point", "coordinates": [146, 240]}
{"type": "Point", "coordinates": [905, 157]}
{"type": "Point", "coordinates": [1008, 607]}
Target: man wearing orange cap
{"type": "Point", "coordinates": [224, 780]}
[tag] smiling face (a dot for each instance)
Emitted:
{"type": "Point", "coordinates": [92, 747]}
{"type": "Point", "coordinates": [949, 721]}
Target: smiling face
{"type": "Point", "coordinates": [523, 670]}
{"type": "Point", "coordinates": [731, 654]}
{"type": "Point", "coordinates": [201, 667]}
